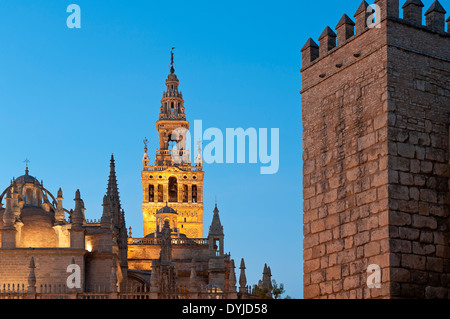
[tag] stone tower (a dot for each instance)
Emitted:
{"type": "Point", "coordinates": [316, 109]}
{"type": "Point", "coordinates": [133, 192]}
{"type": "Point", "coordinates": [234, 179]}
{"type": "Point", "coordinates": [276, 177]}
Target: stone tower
{"type": "Point", "coordinates": [172, 179]}
{"type": "Point", "coordinates": [376, 114]}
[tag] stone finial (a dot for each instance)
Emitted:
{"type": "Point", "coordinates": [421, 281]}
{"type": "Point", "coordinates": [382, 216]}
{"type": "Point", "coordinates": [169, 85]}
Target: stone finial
{"type": "Point", "coordinates": [232, 279]}
{"type": "Point", "coordinates": [412, 11]}
{"type": "Point", "coordinates": [105, 221]}
{"type": "Point", "coordinates": [435, 17]}
{"type": "Point", "coordinates": [77, 216]}
{"type": "Point", "coordinates": [361, 16]}
{"type": "Point", "coordinates": [60, 193]}
{"type": "Point", "coordinates": [310, 52]}
{"type": "Point", "coordinates": [327, 41]}
{"type": "Point", "coordinates": [345, 29]}
{"type": "Point", "coordinates": [216, 227]}
{"type": "Point", "coordinates": [242, 277]}
{"type": "Point", "coordinates": [266, 282]}
{"type": "Point", "coordinates": [8, 215]}
{"type": "Point", "coordinates": [388, 9]}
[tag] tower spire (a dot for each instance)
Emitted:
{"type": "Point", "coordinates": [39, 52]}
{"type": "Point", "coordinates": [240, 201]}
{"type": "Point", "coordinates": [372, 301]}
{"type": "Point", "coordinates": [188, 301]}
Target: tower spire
{"type": "Point", "coordinates": [216, 227]}
{"type": "Point", "coordinates": [184, 184]}
{"type": "Point", "coordinates": [242, 278]}
{"type": "Point", "coordinates": [172, 103]}
{"type": "Point", "coordinates": [112, 191]}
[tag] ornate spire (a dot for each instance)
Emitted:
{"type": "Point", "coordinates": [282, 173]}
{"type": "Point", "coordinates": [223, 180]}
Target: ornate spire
{"type": "Point", "coordinates": [113, 197]}
{"type": "Point", "coordinates": [199, 159]}
{"type": "Point", "coordinates": [8, 215]}
{"type": "Point", "coordinates": [59, 214]}
{"type": "Point", "coordinates": [216, 227]}
{"type": "Point", "coordinates": [77, 216]}
{"type": "Point", "coordinates": [232, 279]}
{"type": "Point", "coordinates": [266, 282]}
{"type": "Point", "coordinates": [112, 191]}
{"type": "Point", "coordinates": [242, 278]}
{"type": "Point", "coordinates": [105, 222]}
{"type": "Point", "coordinates": [172, 103]}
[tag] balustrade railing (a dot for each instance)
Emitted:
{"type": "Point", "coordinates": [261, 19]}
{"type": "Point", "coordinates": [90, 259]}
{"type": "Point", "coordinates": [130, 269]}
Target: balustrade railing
{"type": "Point", "coordinates": [175, 241]}
{"type": "Point", "coordinates": [20, 291]}
{"type": "Point", "coordinates": [186, 168]}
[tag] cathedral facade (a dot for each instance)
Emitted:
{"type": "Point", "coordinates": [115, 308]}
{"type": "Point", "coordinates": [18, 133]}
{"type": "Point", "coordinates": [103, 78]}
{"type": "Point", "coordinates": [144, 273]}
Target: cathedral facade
{"type": "Point", "coordinates": [50, 251]}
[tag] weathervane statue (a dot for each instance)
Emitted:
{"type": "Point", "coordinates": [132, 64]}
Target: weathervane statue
{"type": "Point", "coordinates": [26, 161]}
{"type": "Point", "coordinates": [172, 69]}
{"type": "Point", "coordinates": [145, 143]}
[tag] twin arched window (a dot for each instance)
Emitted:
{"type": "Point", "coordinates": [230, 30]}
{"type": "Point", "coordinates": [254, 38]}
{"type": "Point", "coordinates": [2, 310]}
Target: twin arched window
{"type": "Point", "coordinates": [173, 192]}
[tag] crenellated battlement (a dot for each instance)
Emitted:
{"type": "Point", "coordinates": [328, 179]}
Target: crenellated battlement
{"type": "Point", "coordinates": [375, 112]}
{"type": "Point", "coordinates": [366, 17]}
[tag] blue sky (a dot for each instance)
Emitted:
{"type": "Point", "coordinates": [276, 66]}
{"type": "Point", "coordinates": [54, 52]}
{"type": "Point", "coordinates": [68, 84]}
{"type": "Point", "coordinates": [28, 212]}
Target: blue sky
{"type": "Point", "coordinates": [71, 97]}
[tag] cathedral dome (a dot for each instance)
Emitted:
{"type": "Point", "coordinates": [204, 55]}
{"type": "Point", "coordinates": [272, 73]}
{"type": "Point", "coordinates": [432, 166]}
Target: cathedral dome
{"type": "Point", "coordinates": [172, 77]}
{"type": "Point", "coordinates": [37, 229]}
{"type": "Point", "coordinates": [35, 214]}
{"type": "Point", "coordinates": [167, 210]}
{"type": "Point", "coordinates": [26, 179]}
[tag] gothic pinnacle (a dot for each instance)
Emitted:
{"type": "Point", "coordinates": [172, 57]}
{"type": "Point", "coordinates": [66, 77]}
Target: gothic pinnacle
{"type": "Point", "coordinates": [242, 277]}
{"type": "Point", "coordinates": [112, 190]}
{"type": "Point", "coordinates": [77, 215]}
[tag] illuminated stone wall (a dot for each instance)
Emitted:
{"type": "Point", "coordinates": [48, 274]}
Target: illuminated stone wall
{"type": "Point", "coordinates": [376, 166]}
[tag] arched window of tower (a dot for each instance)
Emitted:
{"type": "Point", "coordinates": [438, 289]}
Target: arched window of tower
{"type": "Point", "coordinates": [151, 193]}
{"type": "Point", "coordinates": [194, 193]}
{"type": "Point", "coordinates": [173, 190]}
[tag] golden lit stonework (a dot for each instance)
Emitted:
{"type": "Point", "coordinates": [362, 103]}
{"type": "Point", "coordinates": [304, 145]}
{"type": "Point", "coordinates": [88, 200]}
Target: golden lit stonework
{"type": "Point", "coordinates": [41, 241]}
{"type": "Point", "coordinates": [173, 180]}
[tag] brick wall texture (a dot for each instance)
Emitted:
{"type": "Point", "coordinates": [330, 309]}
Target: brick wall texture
{"type": "Point", "coordinates": [375, 114]}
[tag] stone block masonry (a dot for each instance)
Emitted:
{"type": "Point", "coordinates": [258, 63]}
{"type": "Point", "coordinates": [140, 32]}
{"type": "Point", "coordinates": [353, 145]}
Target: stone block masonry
{"type": "Point", "coordinates": [376, 115]}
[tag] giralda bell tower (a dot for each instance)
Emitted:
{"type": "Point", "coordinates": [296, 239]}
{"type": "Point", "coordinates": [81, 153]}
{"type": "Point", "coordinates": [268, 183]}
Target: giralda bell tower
{"type": "Point", "coordinates": [173, 180]}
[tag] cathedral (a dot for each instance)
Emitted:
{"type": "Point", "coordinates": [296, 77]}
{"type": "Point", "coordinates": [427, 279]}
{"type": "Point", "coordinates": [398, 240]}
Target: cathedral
{"type": "Point", "coordinates": [48, 251]}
